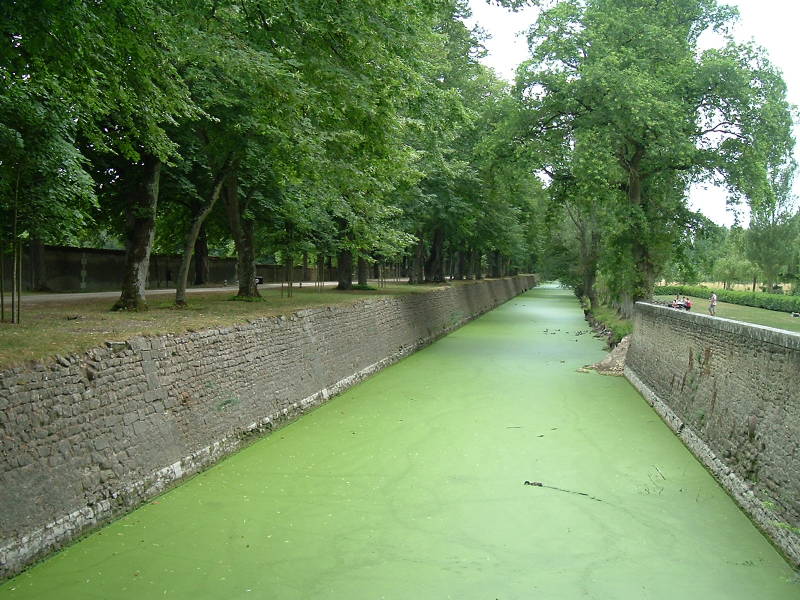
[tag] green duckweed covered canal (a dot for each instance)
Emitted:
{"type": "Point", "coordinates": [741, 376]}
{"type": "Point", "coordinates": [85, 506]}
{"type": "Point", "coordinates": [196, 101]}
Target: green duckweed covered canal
{"type": "Point", "coordinates": [411, 485]}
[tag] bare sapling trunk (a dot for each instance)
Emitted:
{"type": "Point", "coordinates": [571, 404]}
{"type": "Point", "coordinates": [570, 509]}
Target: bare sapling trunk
{"type": "Point", "coordinates": [290, 272]}
{"type": "Point", "coordinates": [140, 228]}
{"type": "Point", "coordinates": [15, 289]}
{"type": "Point", "coordinates": [2, 277]}
{"type": "Point", "coordinates": [198, 217]}
{"type": "Point", "coordinates": [19, 281]}
{"type": "Point", "coordinates": [320, 278]}
{"type": "Point", "coordinates": [14, 266]}
{"type": "Point", "coordinates": [242, 232]}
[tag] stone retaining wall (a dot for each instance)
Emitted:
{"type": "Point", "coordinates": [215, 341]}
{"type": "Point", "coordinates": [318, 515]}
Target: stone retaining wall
{"type": "Point", "coordinates": [731, 392]}
{"type": "Point", "coordinates": [69, 269]}
{"type": "Point", "coordinates": [87, 438]}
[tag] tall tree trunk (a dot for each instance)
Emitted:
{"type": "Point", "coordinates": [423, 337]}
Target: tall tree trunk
{"type": "Point", "coordinates": [494, 264]}
{"type": "Point", "coordinates": [363, 271]}
{"type": "Point", "coordinates": [477, 266]}
{"type": "Point", "coordinates": [460, 265]}
{"type": "Point", "coordinates": [304, 277]}
{"type": "Point", "coordinates": [140, 228]}
{"type": "Point", "coordinates": [416, 273]}
{"type": "Point", "coordinates": [198, 217]}
{"type": "Point", "coordinates": [644, 273]}
{"type": "Point", "coordinates": [345, 269]}
{"type": "Point", "coordinates": [589, 280]}
{"type": "Point", "coordinates": [590, 251]}
{"type": "Point", "coordinates": [201, 257]}
{"type": "Point", "coordinates": [434, 267]}
{"type": "Point", "coordinates": [242, 232]}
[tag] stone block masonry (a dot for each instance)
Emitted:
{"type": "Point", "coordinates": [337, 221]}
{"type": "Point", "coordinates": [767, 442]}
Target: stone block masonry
{"type": "Point", "coordinates": [87, 438]}
{"type": "Point", "coordinates": [731, 392]}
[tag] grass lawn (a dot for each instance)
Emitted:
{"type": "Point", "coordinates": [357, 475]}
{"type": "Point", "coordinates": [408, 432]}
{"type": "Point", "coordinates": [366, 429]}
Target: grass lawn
{"type": "Point", "coordinates": [74, 326]}
{"type": "Point", "coordinates": [748, 314]}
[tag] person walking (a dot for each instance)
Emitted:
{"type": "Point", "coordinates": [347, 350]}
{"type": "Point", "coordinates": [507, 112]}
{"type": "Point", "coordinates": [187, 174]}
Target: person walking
{"type": "Point", "coordinates": [712, 307]}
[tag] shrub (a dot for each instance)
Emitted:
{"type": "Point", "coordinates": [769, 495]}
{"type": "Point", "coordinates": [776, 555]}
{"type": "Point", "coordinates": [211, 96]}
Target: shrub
{"type": "Point", "coordinates": [755, 299]}
{"type": "Point", "coordinates": [612, 321]}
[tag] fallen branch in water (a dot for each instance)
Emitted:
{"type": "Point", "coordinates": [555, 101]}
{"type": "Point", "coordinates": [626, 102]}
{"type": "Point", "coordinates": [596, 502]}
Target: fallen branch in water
{"type": "Point", "coordinates": [558, 489]}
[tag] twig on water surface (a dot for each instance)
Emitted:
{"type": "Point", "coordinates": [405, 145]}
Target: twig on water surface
{"type": "Point", "coordinates": [558, 489]}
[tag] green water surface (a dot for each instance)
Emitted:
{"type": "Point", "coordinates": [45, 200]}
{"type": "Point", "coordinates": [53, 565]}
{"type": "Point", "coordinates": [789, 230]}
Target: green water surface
{"type": "Point", "coordinates": [411, 486]}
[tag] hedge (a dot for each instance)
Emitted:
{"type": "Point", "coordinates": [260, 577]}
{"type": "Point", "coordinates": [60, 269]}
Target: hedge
{"type": "Point", "coordinates": [756, 299]}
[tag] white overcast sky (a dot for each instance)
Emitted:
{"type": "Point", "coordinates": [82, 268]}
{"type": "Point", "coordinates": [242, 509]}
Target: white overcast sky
{"type": "Point", "coordinates": [773, 24]}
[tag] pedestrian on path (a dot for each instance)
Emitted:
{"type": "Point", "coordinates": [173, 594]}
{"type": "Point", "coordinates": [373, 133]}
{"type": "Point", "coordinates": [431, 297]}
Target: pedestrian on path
{"type": "Point", "coordinates": [712, 307]}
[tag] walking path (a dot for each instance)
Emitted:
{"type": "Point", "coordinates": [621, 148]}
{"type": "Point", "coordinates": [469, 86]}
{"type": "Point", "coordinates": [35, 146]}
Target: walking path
{"type": "Point", "coordinates": [412, 486]}
{"type": "Point", "coordinates": [77, 296]}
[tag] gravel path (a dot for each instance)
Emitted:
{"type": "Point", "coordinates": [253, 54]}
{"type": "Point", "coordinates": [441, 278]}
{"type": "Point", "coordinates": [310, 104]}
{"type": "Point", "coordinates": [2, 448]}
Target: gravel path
{"type": "Point", "coordinates": [78, 296]}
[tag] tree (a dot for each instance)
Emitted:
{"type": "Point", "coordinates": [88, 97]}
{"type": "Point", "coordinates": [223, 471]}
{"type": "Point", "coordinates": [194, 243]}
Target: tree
{"type": "Point", "coordinates": [621, 88]}
{"type": "Point", "coordinates": [793, 267]}
{"type": "Point", "coordinates": [92, 67]}
{"type": "Point", "coordinates": [771, 232]}
{"type": "Point", "coordinates": [45, 194]}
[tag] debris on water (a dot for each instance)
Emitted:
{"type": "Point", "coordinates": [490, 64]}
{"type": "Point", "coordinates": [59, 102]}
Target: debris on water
{"type": "Point", "coordinates": [558, 489]}
{"type": "Point", "coordinates": [513, 427]}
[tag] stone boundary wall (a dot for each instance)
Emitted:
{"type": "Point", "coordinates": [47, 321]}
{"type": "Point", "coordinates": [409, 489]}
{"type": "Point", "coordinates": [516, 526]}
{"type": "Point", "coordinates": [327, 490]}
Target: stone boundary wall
{"type": "Point", "coordinates": [88, 438]}
{"type": "Point", "coordinates": [731, 392]}
{"type": "Point", "coordinates": [68, 269]}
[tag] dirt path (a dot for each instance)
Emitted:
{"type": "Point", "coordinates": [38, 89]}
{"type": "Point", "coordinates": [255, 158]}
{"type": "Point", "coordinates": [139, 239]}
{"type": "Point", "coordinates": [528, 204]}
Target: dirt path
{"type": "Point", "coordinates": [78, 296]}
